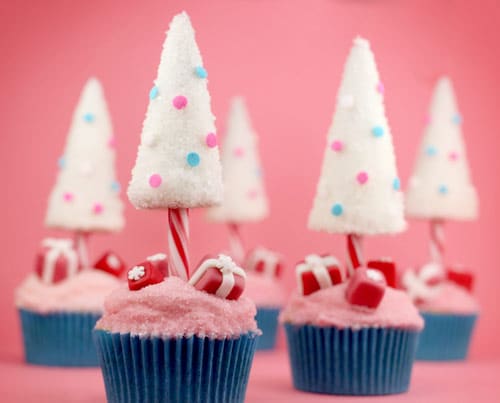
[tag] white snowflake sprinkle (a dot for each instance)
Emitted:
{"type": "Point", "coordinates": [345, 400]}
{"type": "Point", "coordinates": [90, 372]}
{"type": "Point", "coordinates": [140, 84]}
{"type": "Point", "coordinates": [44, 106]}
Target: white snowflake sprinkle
{"type": "Point", "coordinates": [136, 273]}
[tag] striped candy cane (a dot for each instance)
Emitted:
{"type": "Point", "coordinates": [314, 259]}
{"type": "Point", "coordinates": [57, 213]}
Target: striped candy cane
{"type": "Point", "coordinates": [436, 246]}
{"type": "Point", "coordinates": [178, 234]}
{"type": "Point", "coordinates": [354, 252]}
{"type": "Point", "coordinates": [236, 243]}
{"type": "Point", "coordinates": [82, 249]}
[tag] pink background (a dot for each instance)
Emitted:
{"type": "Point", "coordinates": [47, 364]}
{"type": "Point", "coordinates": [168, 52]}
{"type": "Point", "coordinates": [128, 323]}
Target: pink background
{"type": "Point", "coordinates": [286, 57]}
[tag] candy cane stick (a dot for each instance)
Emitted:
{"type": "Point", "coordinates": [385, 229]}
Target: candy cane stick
{"type": "Point", "coordinates": [436, 245]}
{"type": "Point", "coordinates": [354, 252]}
{"type": "Point", "coordinates": [236, 242]}
{"type": "Point", "coordinates": [178, 234]}
{"type": "Point", "coordinates": [81, 239]}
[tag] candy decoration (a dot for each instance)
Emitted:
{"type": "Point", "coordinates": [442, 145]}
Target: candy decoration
{"type": "Point", "coordinates": [236, 242]}
{"type": "Point", "coordinates": [265, 262]}
{"type": "Point", "coordinates": [453, 156]}
{"type": "Point", "coordinates": [362, 177]}
{"type": "Point", "coordinates": [68, 197]}
{"type": "Point", "coordinates": [89, 117]}
{"type": "Point", "coordinates": [423, 284]}
{"type": "Point", "coordinates": [180, 102]}
{"type": "Point", "coordinates": [193, 159]}
{"type": "Point", "coordinates": [57, 261]}
{"type": "Point", "coordinates": [378, 131]}
{"type": "Point", "coordinates": [160, 261]}
{"type": "Point", "coordinates": [436, 245]}
{"type": "Point", "coordinates": [337, 209]}
{"type": "Point", "coordinates": [366, 288]}
{"type": "Point", "coordinates": [98, 208]}
{"type": "Point", "coordinates": [239, 152]}
{"type": "Point", "coordinates": [155, 180]}
{"type": "Point", "coordinates": [396, 184]}
{"type": "Point", "coordinates": [219, 276]}
{"type": "Point", "coordinates": [178, 234]}
{"type": "Point", "coordinates": [380, 88]}
{"type": "Point", "coordinates": [153, 93]}
{"type": "Point", "coordinates": [201, 72]}
{"type": "Point", "coordinates": [337, 145]}
{"type": "Point", "coordinates": [316, 272]}
{"type": "Point", "coordinates": [431, 151]}
{"type": "Point", "coordinates": [110, 263]}
{"type": "Point", "coordinates": [457, 119]}
{"type": "Point", "coordinates": [81, 248]}
{"type": "Point", "coordinates": [144, 274]}
{"type": "Point", "coordinates": [211, 140]}
{"type": "Point", "coordinates": [387, 267]}
{"type": "Point", "coordinates": [461, 277]}
{"type": "Point", "coordinates": [354, 252]}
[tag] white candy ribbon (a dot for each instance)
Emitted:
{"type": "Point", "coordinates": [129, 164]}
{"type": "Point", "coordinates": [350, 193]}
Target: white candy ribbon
{"type": "Point", "coordinates": [57, 248]}
{"type": "Point", "coordinates": [270, 259]}
{"type": "Point", "coordinates": [318, 265]}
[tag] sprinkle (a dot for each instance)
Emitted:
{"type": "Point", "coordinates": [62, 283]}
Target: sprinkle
{"type": "Point", "coordinates": [98, 208]}
{"type": "Point", "coordinates": [193, 159]}
{"type": "Point", "coordinates": [431, 151]}
{"type": "Point", "coordinates": [337, 209]}
{"type": "Point", "coordinates": [61, 162]}
{"type": "Point", "coordinates": [239, 152]}
{"type": "Point", "coordinates": [68, 197]}
{"type": "Point", "coordinates": [112, 142]}
{"type": "Point", "coordinates": [253, 194]}
{"type": "Point", "coordinates": [153, 93]}
{"type": "Point", "coordinates": [443, 189]}
{"type": "Point", "coordinates": [346, 101]}
{"type": "Point", "coordinates": [201, 72]}
{"type": "Point", "coordinates": [258, 173]}
{"type": "Point", "coordinates": [380, 87]}
{"type": "Point", "coordinates": [155, 180]}
{"type": "Point", "coordinates": [457, 119]}
{"type": "Point", "coordinates": [211, 140]}
{"type": "Point", "coordinates": [89, 117]}
{"type": "Point", "coordinates": [116, 187]}
{"type": "Point", "coordinates": [180, 101]}
{"type": "Point", "coordinates": [362, 177]}
{"type": "Point", "coordinates": [396, 184]}
{"type": "Point", "coordinates": [453, 156]}
{"type": "Point", "coordinates": [378, 131]}
{"type": "Point", "coordinates": [337, 145]}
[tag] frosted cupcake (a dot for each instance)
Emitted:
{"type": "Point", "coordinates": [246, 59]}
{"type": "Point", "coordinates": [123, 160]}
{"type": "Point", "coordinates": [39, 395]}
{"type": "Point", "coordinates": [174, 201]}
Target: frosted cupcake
{"type": "Point", "coordinates": [441, 189]}
{"type": "Point", "coordinates": [348, 332]}
{"type": "Point", "coordinates": [61, 302]}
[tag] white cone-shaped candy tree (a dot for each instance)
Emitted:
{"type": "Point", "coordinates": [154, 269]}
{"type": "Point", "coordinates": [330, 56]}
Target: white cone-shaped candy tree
{"type": "Point", "coordinates": [85, 198]}
{"type": "Point", "coordinates": [245, 199]}
{"type": "Point", "coordinates": [358, 192]}
{"type": "Point", "coordinates": [440, 187]}
{"type": "Point", "coordinates": [178, 164]}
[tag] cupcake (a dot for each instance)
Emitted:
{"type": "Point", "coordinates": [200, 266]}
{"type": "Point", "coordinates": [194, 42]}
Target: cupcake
{"type": "Point", "coordinates": [348, 331]}
{"type": "Point", "coordinates": [60, 303]}
{"type": "Point", "coordinates": [441, 189]}
{"type": "Point", "coordinates": [188, 337]}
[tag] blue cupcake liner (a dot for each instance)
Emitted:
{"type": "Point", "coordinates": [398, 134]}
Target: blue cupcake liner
{"type": "Point", "coordinates": [59, 339]}
{"type": "Point", "coordinates": [195, 369]}
{"type": "Point", "coordinates": [368, 361]}
{"type": "Point", "coordinates": [446, 337]}
{"type": "Point", "coordinates": [267, 321]}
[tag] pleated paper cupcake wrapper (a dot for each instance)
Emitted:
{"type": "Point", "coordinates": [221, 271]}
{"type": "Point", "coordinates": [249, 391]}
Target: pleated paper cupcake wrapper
{"type": "Point", "coordinates": [195, 369]}
{"type": "Point", "coordinates": [446, 337]}
{"type": "Point", "coordinates": [369, 361]}
{"type": "Point", "coordinates": [267, 321]}
{"type": "Point", "coordinates": [61, 339]}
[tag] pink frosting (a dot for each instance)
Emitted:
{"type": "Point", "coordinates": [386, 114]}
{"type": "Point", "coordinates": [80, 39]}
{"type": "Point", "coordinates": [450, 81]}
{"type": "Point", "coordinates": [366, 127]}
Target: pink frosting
{"type": "Point", "coordinates": [329, 307]}
{"type": "Point", "coordinates": [451, 299]}
{"type": "Point", "coordinates": [264, 291]}
{"type": "Point", "coordinates": [174, 308]}
{"type": "Point", "coordinates": [85, 292]}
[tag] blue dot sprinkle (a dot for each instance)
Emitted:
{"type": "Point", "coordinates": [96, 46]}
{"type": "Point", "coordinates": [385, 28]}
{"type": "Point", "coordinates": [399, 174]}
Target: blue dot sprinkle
{"type": "Point", "coordinates": [153, 93]}
{"type": "Point", "coordinates": [457, 119]}
{"type": "Point", "coordinates": [115, 186]}
{"type": "Point", "coordinates": [443, 189]}
{"type": "Point", "coordinates": [89, 117]}
{"type": "Point", "coordinates": [193, 159]}
{"type": "Point", "coordinates": [396, 184]}
{"type": "Point", "coordinates": [378, 131]}
{"type": "Point", "coordinates": [431, 151]}
{"type": "Point", "coordinates": [337, 209]}
{"type": "Point", "coordinates": [61, 162]}
{"type": "Point", "coordinates": [258, 173]}
{"type": "Point", "coordinates": [201, 72]}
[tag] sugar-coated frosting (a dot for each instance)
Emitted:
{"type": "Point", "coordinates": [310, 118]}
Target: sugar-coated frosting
{"type": "Point", "coordinates": [329, 307]}
{"type": "Point", "coordinates": [84, 292]}
{"type": "Point", "coordinates": [264, 291]}
{"type": "Point", "coordinates": [451, 298]}
{"type": "Point", "coordinates": [174, 308]}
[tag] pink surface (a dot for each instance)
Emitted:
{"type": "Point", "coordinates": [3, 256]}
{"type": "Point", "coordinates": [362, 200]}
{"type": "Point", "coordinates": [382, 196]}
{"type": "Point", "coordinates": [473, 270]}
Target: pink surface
{"type": "Point", "coordinates": [286, 57]}
{"type": "Point", "coordinates": [329, 307]}
{"type": "Point", "coordinates": [270, 381]}
{"type": "Point", "coordinates": [174, 308]}
{"type": "Point", "coordinates": [264, 290]}
{"type": "Point", "coordinates": [452, 299]}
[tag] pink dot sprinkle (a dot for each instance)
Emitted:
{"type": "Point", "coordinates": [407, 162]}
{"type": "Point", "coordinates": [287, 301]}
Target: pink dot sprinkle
{"type": "Point", "coordinates": [68, 197]}
{"type": "Point", "coordinates": [453, 156]}
{"type": "Point", "coordinates": [380, 87]}
{"type": "Point", "coordinates": [98, 208]}
{"type": "Point", "coordinates": [427, 119]}
{"type": "Point", "coordinates": [337, 145]}
{"type": "Point", "coordinates": [253, 194]}
{"type": "Point", "coordinates": [362, 177]}
{"type": "Point", "coordinates": [239, 152]}
{"type": "Point", "coordinates": [211, 140]}
{"type": "Point", "coordinates": [180, 101]}
{"type": "Point", "coordinates": [155, 180]}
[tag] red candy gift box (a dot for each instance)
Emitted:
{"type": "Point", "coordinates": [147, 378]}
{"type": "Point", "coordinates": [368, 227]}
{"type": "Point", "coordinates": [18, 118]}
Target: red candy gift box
{"type": "Point", "coordinates": [387, 267]}
{"type": "Point", "coordinates": [264, 261]}
{"type": "Point", "coordinates": [461, 277]}
{"type": "Point", "coordinates": [219, 276]}
{"type": "Point", "coordinates": [111, 263]}
{"type": "Point", "coordinates": [366, 287]}
{"type": "Point", "coordinates": [57, 260]}
{"type": "Point", "coordinates": [144, 274]}
{"type": "Point", "coordinates": [318, 272]}
{"type": "Point", "coordinates": [423, 284]}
